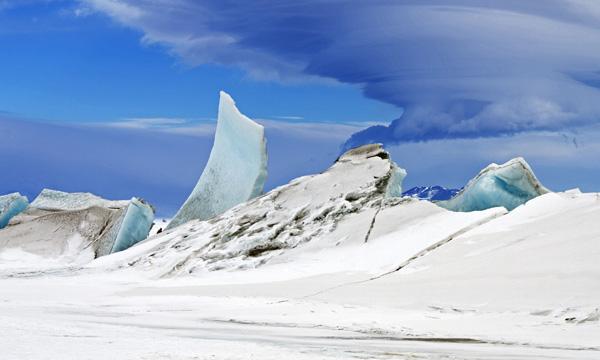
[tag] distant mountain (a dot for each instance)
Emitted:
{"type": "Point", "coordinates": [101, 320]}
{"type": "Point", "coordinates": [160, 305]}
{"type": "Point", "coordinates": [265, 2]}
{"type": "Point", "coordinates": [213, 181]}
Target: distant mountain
{"type": "Point", "coordinates": [431, 192]}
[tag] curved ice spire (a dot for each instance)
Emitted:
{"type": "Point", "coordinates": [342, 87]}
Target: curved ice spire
{"type": "Point", "coordinates": [236, 170]}
{"type": "Point", "coordinates": [509, 185]}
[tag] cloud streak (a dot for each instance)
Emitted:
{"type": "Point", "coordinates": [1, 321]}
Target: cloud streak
{"type": "Point", "coordinates": [337, 132]}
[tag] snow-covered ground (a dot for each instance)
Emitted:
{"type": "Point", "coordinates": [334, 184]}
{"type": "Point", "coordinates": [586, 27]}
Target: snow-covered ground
{"type": "Point", "coordinates": [326, 267]}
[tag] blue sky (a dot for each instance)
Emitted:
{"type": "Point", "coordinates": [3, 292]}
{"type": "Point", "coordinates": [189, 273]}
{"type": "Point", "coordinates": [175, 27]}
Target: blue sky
{"type": "Point", "coordinates": [60, 66]}
{"type": "Point", "coordinates": [121, 95]}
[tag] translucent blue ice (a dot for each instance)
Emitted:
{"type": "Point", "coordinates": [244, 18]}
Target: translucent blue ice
{"type": "Point", "coordinates": [10, 206]}
{"type": "Point", "coordinates": [236, 170]}
{"type": "Point", "coordinates": [508, 185]}
{"type": "Point", "coordinates": [135, 225]}
{"type": "Point", "coordinates": [394, 187]}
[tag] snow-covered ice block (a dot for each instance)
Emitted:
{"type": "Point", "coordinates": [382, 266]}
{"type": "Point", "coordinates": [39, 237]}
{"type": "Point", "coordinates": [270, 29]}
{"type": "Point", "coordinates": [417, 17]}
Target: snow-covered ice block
{"type": "Point", "coordinates": [236, 170]}
{"type": "Point", "coordinates": [53, 200]}
{"type": "Point", "coordinates": [395, 175]}
{"type": "Point", "coordinates": [77, 227]}
{"type": "Point", "coordinates": [10, 206]}
{"type": "Point", "coordinates": [508, 185]}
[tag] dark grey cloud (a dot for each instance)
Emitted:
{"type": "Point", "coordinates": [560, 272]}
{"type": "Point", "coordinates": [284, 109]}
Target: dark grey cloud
{"type": "Point", "coordinates": [460, 69]}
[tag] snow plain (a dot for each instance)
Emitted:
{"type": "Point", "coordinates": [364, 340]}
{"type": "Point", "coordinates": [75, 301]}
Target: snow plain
{"type": "Point", "coordinates": [354, 275]}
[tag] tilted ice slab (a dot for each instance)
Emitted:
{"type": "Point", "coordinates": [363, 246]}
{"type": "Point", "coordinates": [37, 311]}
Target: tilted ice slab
{"type": "Point", "coordinates": [10, 206]}
{"type": "Point", "coordinates": [77, 227]}
{"type": "Point", "coordinates": [508, 185]}
{"type": "Point", "coordinates": [343, 220]}
{"type": "Point", "coordinates": [135, 226]}
{"type": "Point", "coordinates": [236, 170]}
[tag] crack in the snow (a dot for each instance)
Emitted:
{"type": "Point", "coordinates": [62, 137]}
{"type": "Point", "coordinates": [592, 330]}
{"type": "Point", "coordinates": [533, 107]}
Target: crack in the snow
{"type": "Point", "coordinates": [373, 221]}
{"type": "Point", "coordinates": [414, 257]}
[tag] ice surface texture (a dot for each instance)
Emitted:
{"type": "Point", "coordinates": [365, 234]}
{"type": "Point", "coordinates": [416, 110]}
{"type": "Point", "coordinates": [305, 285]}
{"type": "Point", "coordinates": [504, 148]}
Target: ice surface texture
{"type": "Point", "coordinates": [50, 199]}
{"type": "Point", "coordinates": [10, 206]}
{"type": "Point", "coordinates": [236, 170]}
{"type": "Point", "coordinates": [509, 185]}
{"type": "Point", "coordinates": [135, 225]}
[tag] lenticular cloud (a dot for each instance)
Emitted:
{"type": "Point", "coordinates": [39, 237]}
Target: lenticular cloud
{"type": "Point", "coordinates": [459, 69]}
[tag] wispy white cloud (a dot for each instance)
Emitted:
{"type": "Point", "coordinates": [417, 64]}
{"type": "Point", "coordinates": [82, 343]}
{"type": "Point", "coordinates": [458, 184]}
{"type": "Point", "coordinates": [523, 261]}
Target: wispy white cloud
{"type": "Point", "coordinates": [81, 11]}
{"type": "Point", "coordinates": [197, 127]}
{"type": "Point", "coordinates": [297, 127]}
{"type": "Point", "coordinates": [336, 132]}
{"type": "Point", "coordinates": [120, 10]}
{"type": "Point", "coordinates": [147, 123]}
{"type": "Point", "coordinates": [288, 117]}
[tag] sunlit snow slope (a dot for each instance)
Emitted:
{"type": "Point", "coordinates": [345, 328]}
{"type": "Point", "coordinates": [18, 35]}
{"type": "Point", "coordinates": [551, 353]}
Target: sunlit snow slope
{"type": "Point", "coordinates": [345, 219]}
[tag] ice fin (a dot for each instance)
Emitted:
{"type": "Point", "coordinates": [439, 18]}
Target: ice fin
{"type": "Point", "coordinates": [236, 170]}
{"type": "Point", "coordinates": [509, 185]}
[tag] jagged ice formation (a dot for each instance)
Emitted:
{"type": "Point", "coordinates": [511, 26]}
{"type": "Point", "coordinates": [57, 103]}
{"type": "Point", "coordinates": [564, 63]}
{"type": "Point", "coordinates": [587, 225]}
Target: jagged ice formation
{"type": "Point", "coordinates": [337, 221]}
{"type": "Point", "coordinates": [508, 185]}
{"type": "Point", "coordinates": [80, 226]}
{"type": "Point", "coordinates": [236, 170]}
